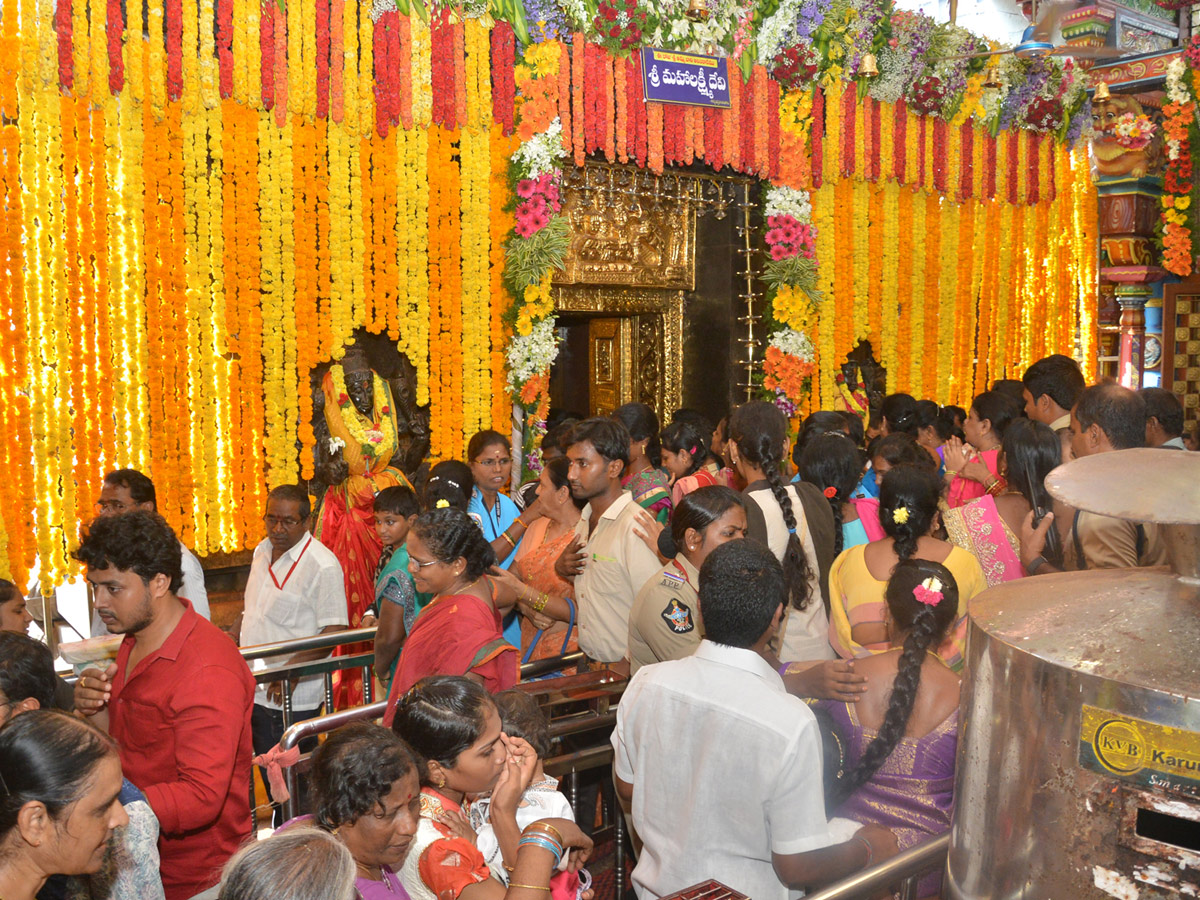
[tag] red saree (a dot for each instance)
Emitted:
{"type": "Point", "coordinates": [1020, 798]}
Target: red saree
{"type": "Point", "coordinates": [454, 635]}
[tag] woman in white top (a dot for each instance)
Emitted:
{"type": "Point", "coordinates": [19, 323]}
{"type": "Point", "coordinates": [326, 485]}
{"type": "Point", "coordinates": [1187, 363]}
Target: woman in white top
{"type": "Point", "coordinates": [757, 439]}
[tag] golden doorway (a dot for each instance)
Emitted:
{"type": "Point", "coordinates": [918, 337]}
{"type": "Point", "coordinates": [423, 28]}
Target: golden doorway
{"type": "Point", "coordinates": [630, 261]}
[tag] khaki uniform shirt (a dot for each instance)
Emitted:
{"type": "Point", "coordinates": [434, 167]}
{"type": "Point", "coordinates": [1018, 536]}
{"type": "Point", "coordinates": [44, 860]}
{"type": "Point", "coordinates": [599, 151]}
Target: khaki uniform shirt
{"type": "Point", "coordinates": [1109, 543]}
{"type": "Point", "coordinates": [616, 565]}
{"type": "Point", "coordinates": [665, 621]}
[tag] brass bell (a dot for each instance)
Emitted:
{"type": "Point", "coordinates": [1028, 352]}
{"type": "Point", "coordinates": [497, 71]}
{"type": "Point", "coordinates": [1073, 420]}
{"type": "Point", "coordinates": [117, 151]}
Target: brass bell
{"type": "Point", "coordinates": [867, 67]}
{"type": "Point", "coordinates": [1101, 94]}
{"type": "Point", "coordinates": [697, 11]}
{"type": "Point", "coordinates": [991, 77]}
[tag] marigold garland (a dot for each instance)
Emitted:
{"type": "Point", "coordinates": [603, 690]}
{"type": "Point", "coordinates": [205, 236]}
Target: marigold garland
{"type": "Point", "coordinates": [343, 236]}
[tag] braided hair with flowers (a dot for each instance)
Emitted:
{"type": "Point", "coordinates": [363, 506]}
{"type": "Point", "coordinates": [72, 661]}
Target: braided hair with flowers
{"type": "Point", "coordinates": [922, 601]}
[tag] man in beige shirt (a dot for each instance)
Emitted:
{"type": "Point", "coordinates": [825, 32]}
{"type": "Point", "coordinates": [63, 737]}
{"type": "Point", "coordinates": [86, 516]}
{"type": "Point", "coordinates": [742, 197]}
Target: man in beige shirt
{"type": "Point", "coordinates": [607, 560]}
{"type": "Point", "coordinates": [1106, 417]}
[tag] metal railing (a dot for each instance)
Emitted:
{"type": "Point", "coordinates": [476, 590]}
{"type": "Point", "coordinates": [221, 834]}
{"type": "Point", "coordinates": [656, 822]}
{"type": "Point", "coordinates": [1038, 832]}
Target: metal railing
{"type": "Point", "coordinates": [904, 869]}
{"type": "Point", "coordinates": [567, 765]}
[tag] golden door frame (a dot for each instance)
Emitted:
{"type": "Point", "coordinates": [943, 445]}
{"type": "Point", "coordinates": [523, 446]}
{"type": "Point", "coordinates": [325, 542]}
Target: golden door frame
{"type": "Point", "coordinates": [632, 256]}
{"type": "Point", "coordinates": [653, 343]}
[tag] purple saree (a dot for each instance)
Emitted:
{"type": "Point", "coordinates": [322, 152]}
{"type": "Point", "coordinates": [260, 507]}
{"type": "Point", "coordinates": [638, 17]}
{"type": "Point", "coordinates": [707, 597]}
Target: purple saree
{"type": "Point", "coordinates": [912, 793]}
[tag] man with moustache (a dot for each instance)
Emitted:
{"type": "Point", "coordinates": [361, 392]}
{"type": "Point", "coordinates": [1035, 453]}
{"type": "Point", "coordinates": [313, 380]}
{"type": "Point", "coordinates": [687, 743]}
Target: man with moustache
{"type": "Point", "coordinates": [177, 700]}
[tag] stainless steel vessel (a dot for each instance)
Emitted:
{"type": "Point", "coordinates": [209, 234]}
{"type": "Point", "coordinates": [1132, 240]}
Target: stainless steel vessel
{"type": "Point", "coordinates": [1079, 757]}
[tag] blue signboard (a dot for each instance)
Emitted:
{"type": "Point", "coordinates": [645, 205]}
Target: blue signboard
{"type": "Point", "coordinates": [669, 76]}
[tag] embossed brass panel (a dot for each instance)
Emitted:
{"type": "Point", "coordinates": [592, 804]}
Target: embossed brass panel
{"type": "Point", "coordinates": [608, 364]}
{"type": "Point", "coordinates": [624, 244]}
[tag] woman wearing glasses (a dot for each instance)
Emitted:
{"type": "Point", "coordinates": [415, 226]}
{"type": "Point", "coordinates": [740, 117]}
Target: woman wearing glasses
{"type": "Point", "coordinates": [458, 632]}
{"type": "Point", "coordinates": [502, 523]}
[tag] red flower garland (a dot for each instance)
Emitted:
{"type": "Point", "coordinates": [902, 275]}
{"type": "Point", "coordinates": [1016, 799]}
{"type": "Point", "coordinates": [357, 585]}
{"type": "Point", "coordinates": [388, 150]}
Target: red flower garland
{"type": "Point", "coordinates": [224, 46]}
{"type": "Point", "coordinates": [322, 25]}
{"type": "Point", "coordinates": [966, 181]}
{"type": "Point", "coordinates": [1033, 182]}
{"type": "Point", "coordinates": [745, 124]}
{"type": "Point", "coordinates": [635, 111]}
{"type": "Point", "coordinates": [921, 152]}
{"type": "Point", "coordinates": [990, 150]}
{"type": "Point", "coordinates": [404, 73]}
{"type": "Point", "coordinates": [504, 87]}
{"type": "Point", "coordinates": [62, 26]}
{"type": "Point", "coordinates": [266, 50]}
{"type": "Point", "coordinates": [940, 169]}
{"type": "Point", "coordinates": [637, 108]}
{"type": "Point", "coordinates": [174, 12]}
{"type": "Point", "coordinates": [899, 139]}
{"type": "Point", "coordinates": [564, 98]}
{"type": "Point", "coordinates": [815, 136]}
{"type": "Point", "coordinates": [1014, 196]}
{"type": "Point", "coordinates": [116, 35]}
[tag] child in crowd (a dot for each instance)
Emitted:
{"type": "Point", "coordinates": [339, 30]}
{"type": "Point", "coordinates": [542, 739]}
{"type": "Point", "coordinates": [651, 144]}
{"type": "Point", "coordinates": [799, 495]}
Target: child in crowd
{"type": "Point", "coordinates": [396, 600]}
{"type": "Point", "coordinates": [521, 717]}
{"type": "Point", "coordinates": [684, 454]}
{"type": "Point", "coordinates": [450, 483]}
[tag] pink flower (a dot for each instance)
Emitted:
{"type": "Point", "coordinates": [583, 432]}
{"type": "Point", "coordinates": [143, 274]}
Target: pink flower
{"type": "Point", "coordinates": [779, 251]}
{"type": "Point", "coordinates": [791, 233]}
{"type": "Point", "coordinates": [775, 235]}
{"type": "Point", "coordinates": [526, 187]}
{"type": "Point", "coordinates": [540, 221]}
{"type": "Point", "coordinates": [772, 221]}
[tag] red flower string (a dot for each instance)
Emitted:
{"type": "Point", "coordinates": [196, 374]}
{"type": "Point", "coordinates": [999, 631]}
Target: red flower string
{"type": "Point", "coordinates": [174, 12]}
{"type": "Point", "coordinates": [62, 26]}
{"type": "Point", "coordinates": [116, 35]}
{"type": "Point", "coordinates": [899, 139]}
{"type": "Point", "coordinates": [266, 50]}
{"type": "Point", "coordinates": [1014, 138]}
{"type": "Point", "coordinates": [966, 183]}
{"type": "Point", "coordinates": [773, 133]}
{"type": "Point", "coordinates": [1033, 182]}
{"type": "Point", "coordinates": [848, 136]}
{"type": "Point", "coordinates": [322, 25]}
{"type": "Point", "coordinates": [224, 46]}
{"type": "Point", "coordinates": [504, 88]}
{"type": "Point", "coordinates": [989, 167]}
{"type": "Point", "coordinates": [940, 169]}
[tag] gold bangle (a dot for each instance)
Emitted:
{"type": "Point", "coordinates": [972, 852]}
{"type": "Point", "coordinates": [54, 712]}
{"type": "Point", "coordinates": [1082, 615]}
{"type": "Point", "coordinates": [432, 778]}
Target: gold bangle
{"type": "Point", "coordinates": [517, 521]}
{"type": "Point", "coordinates": [541, 823]}
{"type": "Point", "coordinates": [529, 887]}
{"type": "Point", "coordinates": [511, 542]}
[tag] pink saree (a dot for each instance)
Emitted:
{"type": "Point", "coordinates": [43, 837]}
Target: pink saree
{"type": "Point", "coordinates": [978, 529]}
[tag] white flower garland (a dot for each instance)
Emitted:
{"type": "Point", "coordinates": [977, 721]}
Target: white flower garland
{"type": "Point", "coordinates": [541, 153]}
{"type": "Point", "coordinates": [531, 354]}
{"type": "Point", "coordinates": [795, 343]}
{"type": "Point", "coordinates": [786, 201]}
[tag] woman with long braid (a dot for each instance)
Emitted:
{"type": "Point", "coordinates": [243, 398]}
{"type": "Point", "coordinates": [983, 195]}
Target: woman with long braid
{"type": "Point", "coordinates": [798, 534]}
{"type": "Point", "coordinates": [908, 512]}
{"type": "Point", "coordinates": [901, 737]}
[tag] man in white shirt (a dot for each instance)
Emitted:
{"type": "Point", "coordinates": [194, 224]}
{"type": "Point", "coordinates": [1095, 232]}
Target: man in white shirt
{"type": "Point", "coordinates": [719, 765]}
{"type": "Point", "coordinates": [126, 490]}
{"type": "Point", "coordinates": [295, 590]}
{"type": "Point", "coordinates": [607, 559]}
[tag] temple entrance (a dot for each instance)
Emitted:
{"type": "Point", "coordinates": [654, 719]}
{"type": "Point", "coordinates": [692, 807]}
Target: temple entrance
{"type": "Point", "coordinates": [629, 274]}
{"type": "Point", "coordinates": [618, 346]}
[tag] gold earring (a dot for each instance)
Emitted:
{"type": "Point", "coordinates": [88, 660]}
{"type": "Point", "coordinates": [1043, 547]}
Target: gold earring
{"type": "Point", "coordinates": [441, 784]}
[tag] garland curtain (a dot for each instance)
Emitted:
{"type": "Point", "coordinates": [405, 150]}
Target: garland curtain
{"type": "Point", "coordinates": [193, 217]}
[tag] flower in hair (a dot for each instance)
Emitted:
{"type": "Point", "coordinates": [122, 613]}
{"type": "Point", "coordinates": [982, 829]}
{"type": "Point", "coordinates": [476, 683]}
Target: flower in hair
{"type": "Point", "coordinates": [900, 515]}
{"type": "Point", "coordinates": [830, 492]}
{"type": "Point", "coordinates": [929, 591]}
{"type": "Point", "coordinates": [442, 504]}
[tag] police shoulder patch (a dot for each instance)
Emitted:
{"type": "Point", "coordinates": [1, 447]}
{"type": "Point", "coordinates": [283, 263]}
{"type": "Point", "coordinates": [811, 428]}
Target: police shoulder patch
{"type": "Point", "coordinates": [678, 617]}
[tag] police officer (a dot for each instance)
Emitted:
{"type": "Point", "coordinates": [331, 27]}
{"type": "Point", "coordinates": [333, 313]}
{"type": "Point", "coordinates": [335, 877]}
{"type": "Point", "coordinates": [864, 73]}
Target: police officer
{"type": "Point", "coordinates": [665, 621]}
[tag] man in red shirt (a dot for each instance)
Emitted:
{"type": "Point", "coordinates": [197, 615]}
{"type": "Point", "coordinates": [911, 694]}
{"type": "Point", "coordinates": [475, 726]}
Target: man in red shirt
{"type": "Point", "coordinates": [177, 700]}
